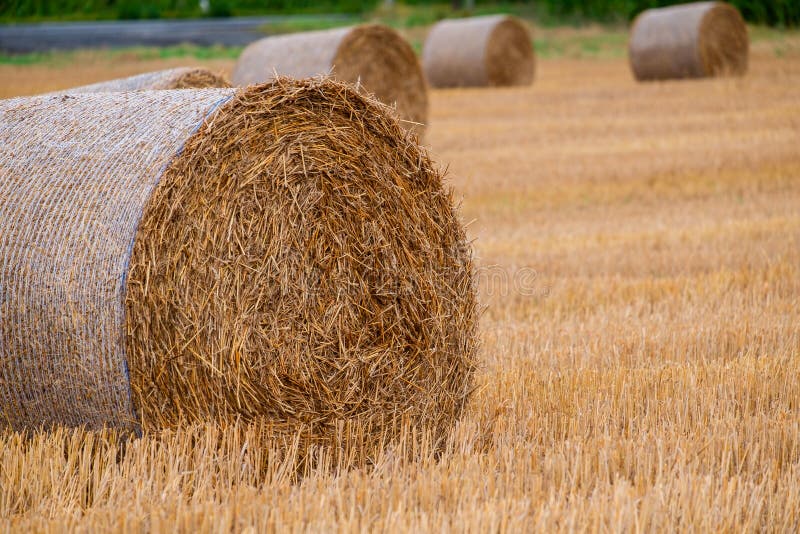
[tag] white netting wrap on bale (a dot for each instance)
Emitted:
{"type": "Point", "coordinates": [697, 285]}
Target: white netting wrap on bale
{"type": "Point", "coordinates": [75, 175]}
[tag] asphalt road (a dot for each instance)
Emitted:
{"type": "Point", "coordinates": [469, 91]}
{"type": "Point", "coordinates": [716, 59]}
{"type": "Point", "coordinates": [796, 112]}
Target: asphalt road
{"type": "Point", "coordinates": [239, 31]}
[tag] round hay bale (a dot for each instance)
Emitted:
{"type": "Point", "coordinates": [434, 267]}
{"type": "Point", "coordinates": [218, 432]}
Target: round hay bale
{"type": "Point", "coordinates": [375, 56]}
{"type": "Point", "coordinates": [178, 78]}
{"type": "Point", "coordinates": [688, 41]}
{"type": "Point", "coordinates": [284, 252]}
{"type": "Point", "coordinates": [496, 50]}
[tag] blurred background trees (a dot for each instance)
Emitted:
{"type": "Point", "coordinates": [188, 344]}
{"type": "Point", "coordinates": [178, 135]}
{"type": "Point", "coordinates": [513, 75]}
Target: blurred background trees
{"type": "Point", "coordinates": [781, 13]}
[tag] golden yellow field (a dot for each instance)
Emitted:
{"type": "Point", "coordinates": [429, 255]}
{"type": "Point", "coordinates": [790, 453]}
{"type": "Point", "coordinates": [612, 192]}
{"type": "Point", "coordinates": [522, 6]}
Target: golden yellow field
{"type": "Point", "coordinates": [639, 254]}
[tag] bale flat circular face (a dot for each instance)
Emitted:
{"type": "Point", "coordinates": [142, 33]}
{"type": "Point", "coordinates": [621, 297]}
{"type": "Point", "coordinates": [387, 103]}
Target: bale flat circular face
{"type": "Point", "coordinates": [386, 65]}
{"type": "Point", "coordinates": [300, 261]}
{"type": "Point", "coordinates": [509, 54]}
{"type": "Point", "coordinates": [723, 41]}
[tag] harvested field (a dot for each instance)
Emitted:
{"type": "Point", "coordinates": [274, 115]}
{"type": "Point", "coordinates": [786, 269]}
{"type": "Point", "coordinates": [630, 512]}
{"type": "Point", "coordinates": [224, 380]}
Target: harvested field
{"type": "Point", "coordinates": [638, 248]}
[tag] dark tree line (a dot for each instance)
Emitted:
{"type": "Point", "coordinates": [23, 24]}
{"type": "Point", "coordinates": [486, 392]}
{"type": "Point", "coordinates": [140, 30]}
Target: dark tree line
{"type": "Point", "coordinates": [783, 13]}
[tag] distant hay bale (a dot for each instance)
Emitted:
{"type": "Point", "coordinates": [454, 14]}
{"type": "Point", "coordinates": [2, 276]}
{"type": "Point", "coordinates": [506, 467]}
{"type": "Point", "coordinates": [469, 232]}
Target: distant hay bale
{"type": "Point", "coordinates": [479, 51]}
{"type": "Point", "coordinates": [179, 78]}
{"type": "Point", "coordinates": [688, 41]}
{"type": "Point", "coordinates": [282, 252]}
{"type": "Point", "coordinates": [373, 55]}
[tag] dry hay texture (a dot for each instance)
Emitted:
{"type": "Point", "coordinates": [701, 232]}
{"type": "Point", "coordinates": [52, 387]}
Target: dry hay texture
{"type": "Point", "coordinates": [689, 41]}
{"type": "Point", "coordinates": [284, 253]}
{"type": "Point", "coordinates": [372, 55]}
{"type": "Point", "coordinates": [495, 50]}
{"type": "Point", "coordinates": [178, 78]}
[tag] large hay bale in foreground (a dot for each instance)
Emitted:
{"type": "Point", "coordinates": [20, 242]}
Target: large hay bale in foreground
{"type": "Point", "coordinates": [688, 41]}
{"type": "Point", "coordinates": [284, 251]}
{"type": "Point", "coordinates": [479, 51]}
{"type": "Point", "coordinates": [178, 78]}
{"type": "Point", "coordinates": [373, 55]}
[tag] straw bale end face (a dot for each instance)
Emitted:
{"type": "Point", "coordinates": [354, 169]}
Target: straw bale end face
{"type": "Point", "coordinates": [300, 261]}
{"type": "Point", "coordinates": [700, 39]}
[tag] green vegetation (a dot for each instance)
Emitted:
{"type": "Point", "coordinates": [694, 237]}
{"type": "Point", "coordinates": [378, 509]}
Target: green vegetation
{"type": "Point", "coordinates": [780, 13]}
{"type": "Point", "coordinates": [307, 23]}
{"type": "Point", "coordinates": [603, 44]}
{"type": "Point", "coordinates": [30, 59]}
{"type": "Point", "coordinates": [550, 43]}
{"type": "Point", "coordinates": [141, 53]}
{"type": "Point", "coordinates": [34, 10]}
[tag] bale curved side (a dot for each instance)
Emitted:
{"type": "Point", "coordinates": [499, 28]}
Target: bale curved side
{"type": "Point", "coordinates": [688, 41]}
{"type": "Point", "coordinates": [479, 51]}
{"type": "Point", "coordinates": [282, 252]}
{"type": "Point", "coordinates": [375, 56]}
{"type": "Point", "coordinates": [75, 174]}
{"type": "Point", "coordinates": [178, 78]}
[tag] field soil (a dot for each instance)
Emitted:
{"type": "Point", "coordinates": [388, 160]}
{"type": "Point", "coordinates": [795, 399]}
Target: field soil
{"type": "Point", "coordinates": [638, 249]}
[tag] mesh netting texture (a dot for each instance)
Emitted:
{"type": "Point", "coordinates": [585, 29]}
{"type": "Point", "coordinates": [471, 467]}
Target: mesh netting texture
{"type": "Point", "coordinates": [178, 78]}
